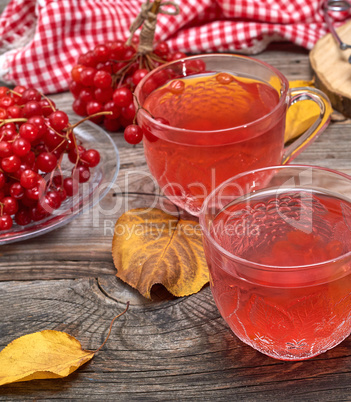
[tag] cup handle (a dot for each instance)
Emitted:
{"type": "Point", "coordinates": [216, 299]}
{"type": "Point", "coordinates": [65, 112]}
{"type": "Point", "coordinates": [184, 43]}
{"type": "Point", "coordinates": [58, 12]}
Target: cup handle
{"type": "Point", "coordinates": [307, 93]}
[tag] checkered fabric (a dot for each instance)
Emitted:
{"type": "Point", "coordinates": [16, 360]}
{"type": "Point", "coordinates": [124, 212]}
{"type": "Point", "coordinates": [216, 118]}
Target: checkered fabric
{"type": "Point", "coordinates": [40, 40]}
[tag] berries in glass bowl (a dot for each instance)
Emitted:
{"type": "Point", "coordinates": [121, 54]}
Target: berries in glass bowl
{"type": "Point", "coordinates": [34, 138]}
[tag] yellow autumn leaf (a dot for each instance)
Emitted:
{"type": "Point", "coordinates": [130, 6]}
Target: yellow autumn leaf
{"type": "Point", "coordinates": [41, 355]}
{"type": "Point", "coordinates": [45, 354]}
{"type": "Point", "coordinates": [152, 247]}
{"type": "Point", "coordinates": [301, 115]}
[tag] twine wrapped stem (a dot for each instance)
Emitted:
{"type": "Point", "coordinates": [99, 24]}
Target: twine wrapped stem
{"type": "Point", "coordinates": [147, 18]}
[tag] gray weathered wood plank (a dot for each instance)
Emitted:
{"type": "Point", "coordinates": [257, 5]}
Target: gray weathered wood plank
{"type": "Point", "coordinates": [176, 349]}
{"type": "Point", "coordinates": [161, 350]}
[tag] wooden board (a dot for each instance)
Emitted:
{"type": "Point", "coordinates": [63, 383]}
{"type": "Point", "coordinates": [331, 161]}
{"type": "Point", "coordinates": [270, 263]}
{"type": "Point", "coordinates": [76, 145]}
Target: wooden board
{"type": "Point", "coordinates": [168, 349]}
{"type": "Point", "coordinates": [332, 70]}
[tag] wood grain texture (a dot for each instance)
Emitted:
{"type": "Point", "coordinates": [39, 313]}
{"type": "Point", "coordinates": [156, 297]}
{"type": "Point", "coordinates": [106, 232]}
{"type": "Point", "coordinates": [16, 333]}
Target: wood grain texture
{"type": "Point", "coordinates": [166, 349]}
{"type": "Point", "coordinates": [3, 4]}
{"type": "Point", "coordinates": [178, 349]}
{"type": "Point", "coordinates": [331, 69]}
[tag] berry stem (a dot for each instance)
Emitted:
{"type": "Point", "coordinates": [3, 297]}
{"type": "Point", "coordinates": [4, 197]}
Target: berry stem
{"type": "Point", "coordinates": [49, 101]}
{"type": "Point", "coordinates": [56, 132]}
{"type": "Point", "coordinates": [58, 166]}
{"type": "Point", "coordinates": [17, 120]}
{"type": "Point", "coordinates": [14, 92]}
{"type": "Point", "coordinates": [87, 118]}
{"type": "Point", "coordinates": [140, 107]}
{"type": "Point", "coordinates": [109, 331]}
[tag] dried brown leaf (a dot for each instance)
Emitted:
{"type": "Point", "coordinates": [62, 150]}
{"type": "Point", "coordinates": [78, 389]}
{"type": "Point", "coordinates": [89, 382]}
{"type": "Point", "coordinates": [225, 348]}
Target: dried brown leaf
{"type": "Point", "coordinates": [152, 247]}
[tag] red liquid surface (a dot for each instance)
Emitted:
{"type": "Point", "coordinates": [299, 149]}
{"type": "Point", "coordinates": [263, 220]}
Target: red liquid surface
{"type": "Point", "coordinates": [190, 165]}
{"type": "Point", "coordinates": [291, 314]}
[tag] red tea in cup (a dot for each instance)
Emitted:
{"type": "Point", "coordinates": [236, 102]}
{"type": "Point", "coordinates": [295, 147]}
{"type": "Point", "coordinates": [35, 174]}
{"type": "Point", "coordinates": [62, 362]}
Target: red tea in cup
{"type": "Point", "coordinates": [206, 123]}
{"type": "Point", "coordinates": [279, 255]}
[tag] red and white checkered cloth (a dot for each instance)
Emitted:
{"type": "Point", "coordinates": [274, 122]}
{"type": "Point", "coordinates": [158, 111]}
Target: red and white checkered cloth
{"type": "Point", "coordinates": [40, 40]}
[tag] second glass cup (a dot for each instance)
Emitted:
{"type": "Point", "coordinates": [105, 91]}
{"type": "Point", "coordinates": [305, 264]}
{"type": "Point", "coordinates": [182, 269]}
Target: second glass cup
{"type": "Point", "coordinates": [189, 160]}
{"type": "Point", "coordinates": [278, 245]}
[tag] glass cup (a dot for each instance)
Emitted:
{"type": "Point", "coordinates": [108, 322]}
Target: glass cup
{"type": "Point", "coordinates": [278, 245]}
{"type": "Point", "coordinates": [189, 164]}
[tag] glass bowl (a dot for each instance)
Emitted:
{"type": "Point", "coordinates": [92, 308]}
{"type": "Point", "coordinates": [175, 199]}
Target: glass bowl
{"type": "Point", "coordinates": [101, 180]}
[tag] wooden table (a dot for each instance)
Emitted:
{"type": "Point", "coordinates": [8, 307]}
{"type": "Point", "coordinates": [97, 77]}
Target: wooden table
{"type": "Point", "coordinates": [161, 350]}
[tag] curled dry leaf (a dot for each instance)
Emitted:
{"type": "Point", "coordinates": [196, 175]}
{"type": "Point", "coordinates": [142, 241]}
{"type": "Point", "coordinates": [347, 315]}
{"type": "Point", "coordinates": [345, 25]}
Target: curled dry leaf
{"type": "Point", "coordinates": [152, 247]}
{"type": "Point", "coordinates": [43, 355]}
{"type": "Point", "coordinates": [302, 115]}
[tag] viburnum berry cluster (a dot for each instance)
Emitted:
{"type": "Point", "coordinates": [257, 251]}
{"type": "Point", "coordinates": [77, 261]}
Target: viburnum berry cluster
{"type": "Point", "coordinates": [34, 137]}
{"type": "Point", "coordinates": [104, 80]}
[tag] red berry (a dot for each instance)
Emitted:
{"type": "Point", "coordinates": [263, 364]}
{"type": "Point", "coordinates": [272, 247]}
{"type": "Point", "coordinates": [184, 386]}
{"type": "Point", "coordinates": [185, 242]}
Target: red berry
{"type": "Point", "coordinates": [33, 193]}
{"type": "Point", "coordinates": [22, 217]}
{"type": "Point", "coordinates": [29, 179]}
{"type": "Point", "coordinates": [32, 108]}
{"type": "Point", "coordinates": [112, 125]}
{"type": "Point", "coordinates": [128, 112]}
{"type": "Point", "coordinates": [51, 201]}
{"type": "Point", "coordinates": [79, 107]}
{"type": "Point", "coordinates": [76, 73]}
{"type": "Point", "coordinates": [20, 147]}
{"type": "Point", "coordinates": [6, 102]}
{"type": "Point", "coordinates": [11, 164]}
{"type": "Point", "coordinates": [103, 95]}
{"type": "Point", "coordinates": [5, 149]}
{"type": "Point", "coordinates": [10, 205]}
{"type": "Point", "coordinates": [28, 202]}
{"type": "Point", "coordinates": [30, 94]}
{"type": "Point", "coordinates": [9, 134]}
{"type": "Point", "coordinates": [89, 59]}
{"type": "Point", "coordinates": [63, 194]}
{"type": "Point", "coordinates": [161, 49]}
{"type": "Point", "coordinates": [2, 179]}
{"type": "Point", "coordinates": [139, 75]}
{"type": "Point", "coordinates": [70, 186]}
{"type": "Point", "coordinates": [91, 157]}
{"type": "Point", "coordinates": [102, 79]}
{"type": "Point", "coordinates": [101, 53]}
{"type": "Point", "coordinates": [72, 156]}
{"type": "Point", "coordinates": [19, 89]}
{"type": "Point", "coordinates": [82, 173]}
{"type": "Point", "coordinates": [39, 122]}
{"type": "Point", "coordinates": [46, 162]}
{"type": "Point", "coordinates": [86, 94]}
{"type": "Point", "coordinates": [75, 88]}
{"type": "Point", "coordinates": [87, 76]}
{"type": "Point", "coordinates": [111, 107]}
{"type": "Point", "coordinates": [37, 213]}
{"type": "Point", "coordinates": [133, 134]}
{"type": "Point", "coordinates": [122, 96]}
{"type": "Point", "coordinates": [5, 222]}
{"type": "Point", "coordinates": [3, 91]}
{"type": "Point", "coordinates": [28, 131]}
{"type": "Point", "coordinates": [16, 191]}
{"type": "Point", "coordinates": [47, 106]}
{"type": "Point", "coordinates": [3, 114]}
{"type": "Point", "coordinates": [29, 159]}
{"type": "Point", "coordinates": [14, 112]}
{"type": "Point", "coordinates": [116, 50]}
{"type": "Point", "coordinates": [94, 107]}
{"type": "Point", "coordinates": [176, 56]}
{"type": "Point", "coordinates": [129, 52]}
{"type": "Point", "coordinates": [53, 140]}
{"type": "Point", "coordinates": [58, 120]}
